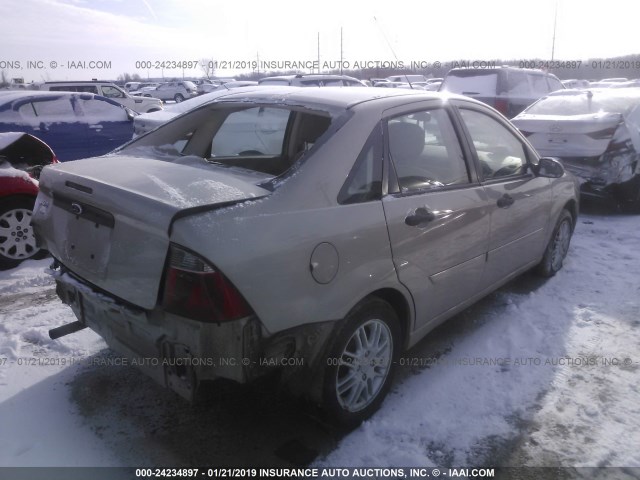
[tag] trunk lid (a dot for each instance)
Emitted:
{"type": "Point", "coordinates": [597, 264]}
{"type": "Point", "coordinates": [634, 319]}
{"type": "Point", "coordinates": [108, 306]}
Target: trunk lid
{"type": "Point", "coordinates": [109, 219]}
{"type": "Point", "coordinates": [569, 136]}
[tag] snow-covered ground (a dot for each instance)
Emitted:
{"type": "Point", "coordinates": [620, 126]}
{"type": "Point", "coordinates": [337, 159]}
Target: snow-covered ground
{"type": "Point", "coordinates": [539, 374]}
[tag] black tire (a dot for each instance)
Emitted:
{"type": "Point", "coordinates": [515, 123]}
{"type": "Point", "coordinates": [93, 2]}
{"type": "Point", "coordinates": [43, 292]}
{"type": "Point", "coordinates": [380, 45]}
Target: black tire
{"type": "Point", "coordinates": [17, 241]}
{"type": "Point", "coordinates": [557, 247]}
{"type": "Point", "coordinates": [178, 98]}
{"type": "Point", "coordinates": [346, 374]}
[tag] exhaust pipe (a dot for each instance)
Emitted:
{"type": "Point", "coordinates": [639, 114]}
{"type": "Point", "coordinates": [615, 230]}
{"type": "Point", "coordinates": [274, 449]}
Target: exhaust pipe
{"type": "Point", "coordinates": [67, 329]}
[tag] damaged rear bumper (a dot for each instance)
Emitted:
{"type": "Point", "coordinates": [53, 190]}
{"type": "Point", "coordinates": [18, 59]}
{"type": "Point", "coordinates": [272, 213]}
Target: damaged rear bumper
{"type": "Point", "coordinates": [180, 353]}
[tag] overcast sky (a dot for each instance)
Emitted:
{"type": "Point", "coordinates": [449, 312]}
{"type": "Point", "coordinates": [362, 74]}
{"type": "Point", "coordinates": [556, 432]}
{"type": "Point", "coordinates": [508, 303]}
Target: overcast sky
{"type": "Point", "coordinates": [119, 33]}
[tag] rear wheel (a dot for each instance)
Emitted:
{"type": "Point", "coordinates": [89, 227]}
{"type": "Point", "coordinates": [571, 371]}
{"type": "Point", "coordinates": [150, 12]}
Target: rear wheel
{"type": "Point", "coordinates": [17, 241]}
{"type": "Point", "coordinates": [178, 98]}
{"type": "Point", "coordinates": [558, 246]}
{"type": "Point", "coordinates": [360, 364]}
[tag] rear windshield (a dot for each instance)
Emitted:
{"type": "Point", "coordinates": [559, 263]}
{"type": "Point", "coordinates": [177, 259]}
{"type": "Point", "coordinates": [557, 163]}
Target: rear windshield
{"type": "Point", "coordinates": [582, 104]}
{"type": "Point", "coordinates": [265, 139]}
{"type": "Point", "coordinates": [471, 82]}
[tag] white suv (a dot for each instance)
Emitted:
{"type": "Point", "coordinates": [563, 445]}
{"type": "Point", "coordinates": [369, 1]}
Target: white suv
{"type": "Point", "coordinates": [177, 91]}
{"type": "Point", "coordinates": [109, 90]}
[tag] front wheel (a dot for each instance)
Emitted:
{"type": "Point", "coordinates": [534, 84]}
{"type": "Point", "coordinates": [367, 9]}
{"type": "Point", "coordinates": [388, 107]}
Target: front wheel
{"type": "Point", "coordinates": [17, 241]}
{"type": "Point", "coordinates": [360, 364]}
{"type": "Point", "coordinates": [558, 246]}
{"type": "Point", "coordinates": [178, 98]}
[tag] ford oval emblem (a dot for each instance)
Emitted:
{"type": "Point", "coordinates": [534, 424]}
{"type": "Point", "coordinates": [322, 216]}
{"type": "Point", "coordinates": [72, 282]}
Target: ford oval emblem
{"type": "Point", "coordinates": [76, 209]}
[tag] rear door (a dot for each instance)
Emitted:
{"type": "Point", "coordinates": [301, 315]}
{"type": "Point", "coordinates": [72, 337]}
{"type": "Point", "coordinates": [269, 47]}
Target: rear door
{"type": "Point", "coordinates": [519, 202]}
{"type": "Point", "coordinates": [437, 213]}
{"type": "Point", "coordinates": [55, 121]}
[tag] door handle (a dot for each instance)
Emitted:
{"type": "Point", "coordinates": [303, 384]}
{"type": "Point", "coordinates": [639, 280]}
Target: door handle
{"type": "Point", "coordinates": [421, 216]}
{"type": "Point", "coordinates": [505, 201]}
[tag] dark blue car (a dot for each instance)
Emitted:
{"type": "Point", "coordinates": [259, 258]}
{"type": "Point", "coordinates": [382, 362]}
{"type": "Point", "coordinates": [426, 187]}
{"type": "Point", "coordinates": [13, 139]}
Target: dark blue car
{"type": "Point", "coordinates": [74, 125]}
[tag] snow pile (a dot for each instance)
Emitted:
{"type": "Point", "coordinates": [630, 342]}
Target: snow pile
{"type": "Point", "coordinates": [575, 338]}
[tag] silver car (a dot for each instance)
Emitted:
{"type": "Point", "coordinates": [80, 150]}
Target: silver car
{"type": "Point", "coordinates": [313, 232]}
{"type": "Point", "coordinates": [596, 135]}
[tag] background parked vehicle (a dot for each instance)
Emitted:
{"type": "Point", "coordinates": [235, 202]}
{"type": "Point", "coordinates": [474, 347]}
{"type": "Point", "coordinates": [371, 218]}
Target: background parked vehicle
{"type": "Point", "coordinates": [312, 80]}
{"type": "Point", "coordinates": [75, 125]}
{"type": "Point", "coordinates": [148, 121]}
{"type": "Point", "coordinates": [574, 83]}
{"type": "Point", "coordinates": [144, 89]}
{"type": "Point", "coordinates": [131, 86]}
{"type": "Point", "coordinates": [596, 134]}
{"type": "Point", "coordinates": [508, 89]}
{"type": "Point", "coordinates": [176, 91]}
{"type": "Point", "coordinates": [407, 78]}
{"type": "Point", "coordinates": [109, 90]}
{"type": "Point", "coordinates": [22, 157]}
{"type": "Point", "coordinates": [189, 249]}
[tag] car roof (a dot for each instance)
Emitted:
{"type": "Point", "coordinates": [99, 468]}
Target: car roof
{"type": "Point", "coordinates": [340, 97]}
{"type": "Point", "coordinates": [314, 76]}
{"type": "Point", "coordinates": [10, 96]}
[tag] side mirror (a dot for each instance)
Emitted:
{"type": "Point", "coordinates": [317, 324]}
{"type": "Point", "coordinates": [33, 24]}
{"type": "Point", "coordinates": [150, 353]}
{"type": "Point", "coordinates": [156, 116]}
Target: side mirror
{"type": "Point", "coordinates": [130, 113]}
{"type": "Point", "coordinates": [549, 167]}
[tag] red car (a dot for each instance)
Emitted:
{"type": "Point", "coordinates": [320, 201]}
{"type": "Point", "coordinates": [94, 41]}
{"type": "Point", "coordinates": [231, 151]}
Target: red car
{"type": "Point", "coordinates": [22, 157]}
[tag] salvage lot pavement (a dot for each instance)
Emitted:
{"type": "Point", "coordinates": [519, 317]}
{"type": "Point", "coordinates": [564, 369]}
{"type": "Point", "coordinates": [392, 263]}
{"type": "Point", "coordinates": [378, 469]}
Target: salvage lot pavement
{"type": "Point", "coordinates": [538, 373]}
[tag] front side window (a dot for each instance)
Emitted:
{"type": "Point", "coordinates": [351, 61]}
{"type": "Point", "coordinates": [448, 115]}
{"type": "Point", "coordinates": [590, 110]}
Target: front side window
{"type": "Point", "coordinates": [96, 110]}
{"type": "Point", "coordinates": [425, 151]}
{"type": "Point", "coordinates": [500, 152]}
{"type": "Point", "coordinates": [112, 92]}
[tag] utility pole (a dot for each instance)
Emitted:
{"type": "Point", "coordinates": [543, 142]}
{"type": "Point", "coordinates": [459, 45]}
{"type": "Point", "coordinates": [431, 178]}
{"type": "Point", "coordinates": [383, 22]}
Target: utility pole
{"type": "Point", "coordinates": [555, 22]}
{"type": "Point", "coordinates": [340, 50]}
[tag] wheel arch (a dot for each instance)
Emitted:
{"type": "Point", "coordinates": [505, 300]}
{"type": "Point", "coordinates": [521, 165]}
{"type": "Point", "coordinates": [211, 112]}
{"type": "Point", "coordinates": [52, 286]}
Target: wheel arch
{"type": "Point", "coordinates": [401, 305]}
{"type": "Point", "coordinates": [572, 207]}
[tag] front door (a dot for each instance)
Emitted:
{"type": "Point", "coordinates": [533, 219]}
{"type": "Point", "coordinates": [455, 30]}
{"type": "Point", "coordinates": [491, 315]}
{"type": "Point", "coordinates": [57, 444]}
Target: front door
{"type": "Point", "coordinates": [519, 202]}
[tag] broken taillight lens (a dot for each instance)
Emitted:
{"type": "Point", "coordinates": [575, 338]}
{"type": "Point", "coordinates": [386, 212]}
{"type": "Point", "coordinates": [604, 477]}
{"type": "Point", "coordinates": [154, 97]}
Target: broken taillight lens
{"type": "Point", "coordinates": [195, 289]}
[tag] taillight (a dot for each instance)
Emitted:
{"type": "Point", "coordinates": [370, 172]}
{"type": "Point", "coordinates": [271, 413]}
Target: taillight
{"type": "Point", "coordinates": [502, 106]}
{"type": "Point", "coordinates": [195, 289]}
{"type": "Point", "coordinates": [603, 134]}
{"type": "Point", "coordinates": [54, 159]}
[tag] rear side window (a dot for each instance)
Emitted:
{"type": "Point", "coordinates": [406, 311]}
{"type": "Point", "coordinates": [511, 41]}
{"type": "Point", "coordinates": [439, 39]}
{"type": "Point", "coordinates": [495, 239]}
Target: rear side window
{"type": "Point", "coordinates": [364, 183]}
{"type": "Point", "coordinates": [517, 83]}
{"type": "Point", "coordinates": [500, 152]}
{"type": "Point", "coordinates": [27, 112]}
{"type": "Point", "coordinates": [539, 85]}
{"type": "Point", "coordinates": [425, 151]}
{"type": "Point", "coordinates": [75, 88]}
